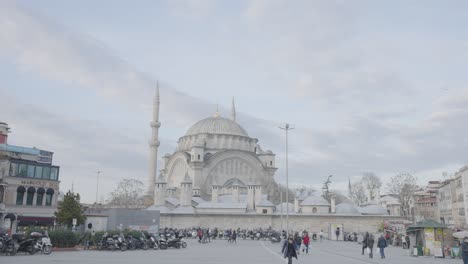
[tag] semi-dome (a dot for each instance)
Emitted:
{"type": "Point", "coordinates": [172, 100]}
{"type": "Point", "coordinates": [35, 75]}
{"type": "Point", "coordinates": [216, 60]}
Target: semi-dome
{"type": "Point", "coordinates": [216, 125]}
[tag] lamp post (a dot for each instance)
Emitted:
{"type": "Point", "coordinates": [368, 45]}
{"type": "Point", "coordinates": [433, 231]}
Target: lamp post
{"type": "Point", "coordinates": [97, 185]}
{"type": "Point", "coordinates": [286, 128]}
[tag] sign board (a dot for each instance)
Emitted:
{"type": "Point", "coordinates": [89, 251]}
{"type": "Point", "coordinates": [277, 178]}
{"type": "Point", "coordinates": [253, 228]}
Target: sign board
{"type": "Point", "coordinates": [7, 223]}
{"type": "Point", "coordinates": [74, 221]}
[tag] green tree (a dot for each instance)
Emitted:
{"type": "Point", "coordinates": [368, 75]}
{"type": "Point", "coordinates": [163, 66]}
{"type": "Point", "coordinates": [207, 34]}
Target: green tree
{"type": "Point", "coordinates": [70, 208]}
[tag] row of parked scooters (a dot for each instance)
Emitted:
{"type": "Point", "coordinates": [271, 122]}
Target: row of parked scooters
{"type": "Point", "coordinates": [36, 243]}
{"type": "Point", "coordinates": [145, 242]}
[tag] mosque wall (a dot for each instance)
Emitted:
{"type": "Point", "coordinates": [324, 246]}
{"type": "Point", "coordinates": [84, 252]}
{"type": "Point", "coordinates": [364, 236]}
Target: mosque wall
{"type": "Point", "coordinates": [312, 223]}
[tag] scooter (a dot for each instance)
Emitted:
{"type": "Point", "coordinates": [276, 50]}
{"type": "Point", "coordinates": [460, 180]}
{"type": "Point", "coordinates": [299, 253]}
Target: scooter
{"type": "Point", "coordinates": [28, 246]}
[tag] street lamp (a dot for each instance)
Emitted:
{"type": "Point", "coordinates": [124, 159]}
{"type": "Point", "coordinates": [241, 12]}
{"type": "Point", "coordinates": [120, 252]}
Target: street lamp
{"type": "Point", "coordinates": [97, 185]}
{"type": "Point", "coordinates": [286, 128]}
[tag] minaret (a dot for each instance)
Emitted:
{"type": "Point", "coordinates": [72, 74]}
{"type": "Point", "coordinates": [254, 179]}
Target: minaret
{"type": "Point", "coordinates": [233, 110]}
{"type": "Point", "coordinates": [350, 190]}
{"type": "Point", "coordinates": [154, 144]}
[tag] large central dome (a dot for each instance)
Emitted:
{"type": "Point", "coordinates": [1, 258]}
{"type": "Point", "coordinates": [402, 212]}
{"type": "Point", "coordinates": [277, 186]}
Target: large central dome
{"type": "Point", "coordinates": [216, 125]}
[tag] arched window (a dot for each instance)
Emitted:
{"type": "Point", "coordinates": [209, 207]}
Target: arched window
{"type": "Point", "coordinates": [314, 210]}
{"type": "Point", "coordinates": [271, 163]}
{"type": "Point", "coordinates": [40, 196]}
{"type": "Point", "coordinates": [20, 195]}
{"type": "Point", "coordinates": [49, 195]}
{"type": "Point", "coordinates": [30, 196]}
{"type": "Point", "coordinates": [198, 157]}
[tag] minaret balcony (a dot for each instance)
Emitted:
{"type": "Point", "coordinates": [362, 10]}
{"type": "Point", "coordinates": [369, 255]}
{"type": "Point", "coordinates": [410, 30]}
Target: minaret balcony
{"type": "Point", "coordinates": [156, 124]}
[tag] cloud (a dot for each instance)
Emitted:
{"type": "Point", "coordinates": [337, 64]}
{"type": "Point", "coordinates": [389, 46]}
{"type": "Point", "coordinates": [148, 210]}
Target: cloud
{"type": "Point", "coordinates": [367, 113]}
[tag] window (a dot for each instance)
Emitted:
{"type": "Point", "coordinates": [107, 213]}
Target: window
{"type": "Point", "coordinates": [198, 157]}
{"type": "Point", "coordinates": [46, 173]}
{"type": "Point", "coordinates": [38, 173]}
{"type": "Point", "coordinates": [13, 169]}
{"type": "Point", "coordinates": [20, 195]}
{"type": "Point", "coordinates": [264, 211]}
{"type": "Point", "coordinates": [31, 171]}
{"type": "Point", "coordinates": [30, 196]}
{"type": "Point", "coordinates": [49, 195]}
{"type": "Point", "coordinates": [22, 170]}
{"type": "Point", "coordinates": [54, 174]}
{"type": "Point", "coordinates": [271, 163]}
{"type": "Point", "coordinates": [314, 210]}
{"type": "Point", "coordinates": [40, 196]}
{"type": "Point", "coordinates": [2, 192]}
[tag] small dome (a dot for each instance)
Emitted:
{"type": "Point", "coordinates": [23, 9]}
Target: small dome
{"type": "Point", "coordinates": [346, 208]}
{"type": "Point", "coordinates": [216, 125]}
{"type": "Point", "coordinates": [283, 206]}
{"type": "Point", "coordinates": [373, 209]}
{"type": "Point", "coordinates": [315, 200]}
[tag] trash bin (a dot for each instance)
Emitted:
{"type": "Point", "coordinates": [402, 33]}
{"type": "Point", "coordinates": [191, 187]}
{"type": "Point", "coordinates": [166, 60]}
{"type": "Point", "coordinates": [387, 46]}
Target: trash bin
{"type": "Point", "coordinates": [455, 252]}
{"type": "Point", "coordinates": [420, 251]}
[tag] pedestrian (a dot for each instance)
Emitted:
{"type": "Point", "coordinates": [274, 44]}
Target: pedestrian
{"type": "Point", "coordinates": [364, 242]}
{"type": "Point", "coordinates": [370, 245]}
{"type": "Point", "coordinates": [289, 249]}
{"type": "Point", "coordinates": [321, 235]}
{"type": "Point", "coordinates": [464, 248]}
{"type": "Point", "coordinates": [298, 241]}
{"type": "Point", "coordinates": [382, 244]}
{"type": "Point", "coordinates": [407, 239]}
{"type": "Point", "coordinates": [200, 235]}
{"type": "Point", "coordinates": [306, 241]}
{"type": "Point", "coordinates": [234, 237]}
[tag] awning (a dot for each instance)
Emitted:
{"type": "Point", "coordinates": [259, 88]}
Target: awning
{"type": "Point", "coordinates": [426, 223]}
{"type": "Point", "coordinates": [32, 220]}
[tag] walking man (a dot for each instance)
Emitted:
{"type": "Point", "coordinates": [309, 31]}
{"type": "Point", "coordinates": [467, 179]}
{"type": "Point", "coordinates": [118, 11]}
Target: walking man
{"type": "Point", "coordinates": [382, 244]}
{"type": "Point", "coordinates": [289, 249]}
{"type": "Point", "coordinates": [464, 248]}
{"type": "Point", "coordinates": [321, 235]}
{"type": "Point", "coordinates": [370, 245]}
{"type": "Point", "coordinates": [337, 232]}
{"type": "Point", "coordinates": [364, 242]}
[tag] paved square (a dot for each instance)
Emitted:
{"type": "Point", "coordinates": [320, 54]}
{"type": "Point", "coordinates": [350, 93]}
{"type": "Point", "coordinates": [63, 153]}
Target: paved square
{"type": "Point", "coordinates": [220, 251]}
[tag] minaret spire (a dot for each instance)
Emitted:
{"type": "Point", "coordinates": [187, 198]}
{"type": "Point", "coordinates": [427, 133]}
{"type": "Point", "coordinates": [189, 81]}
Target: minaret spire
{"type": "Point", "coordinates": [350, 191]}
{"type": "Point", "coordinates": [233, 110]}
{"type": "Point", "coordinates": [154, 144]}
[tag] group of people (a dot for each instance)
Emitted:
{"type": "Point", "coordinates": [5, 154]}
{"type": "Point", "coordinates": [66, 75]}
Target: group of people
{"type": "Point", "coordinates": [368, 244]}
{"type": "Point", "coordinates": [293, 245]}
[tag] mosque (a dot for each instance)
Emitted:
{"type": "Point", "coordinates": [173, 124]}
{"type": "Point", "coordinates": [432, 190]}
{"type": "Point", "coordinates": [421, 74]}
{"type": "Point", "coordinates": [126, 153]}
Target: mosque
{"type": "Point", "coordinates": [220, 176]}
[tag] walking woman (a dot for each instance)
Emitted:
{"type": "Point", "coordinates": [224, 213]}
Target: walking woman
{"type": "Point", "coordinates": [289, 249]}
{"type": "Point", "coordinates": [306, 241]}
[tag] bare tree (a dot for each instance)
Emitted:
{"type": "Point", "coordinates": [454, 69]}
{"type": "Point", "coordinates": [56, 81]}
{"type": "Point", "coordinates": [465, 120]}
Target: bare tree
{"type": "Point", "coordinates": [404, 185]}
{"type": "Point", "coordinates": [358, 193]}
{"type": "Point", "coordinates": [372, 184]}
{"type": "Point", "coordinates": [128, 194]}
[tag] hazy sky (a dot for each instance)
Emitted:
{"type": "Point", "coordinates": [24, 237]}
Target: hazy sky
{"type": "Point", "coordinates": [368, 85]}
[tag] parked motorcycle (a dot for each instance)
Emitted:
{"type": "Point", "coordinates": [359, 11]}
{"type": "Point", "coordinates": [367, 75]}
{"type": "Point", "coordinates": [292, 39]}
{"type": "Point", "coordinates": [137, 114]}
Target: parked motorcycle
{"type": "Point", "coordinates": [7, 245]}
{"type": "Point", "coordinates": [28, 246]}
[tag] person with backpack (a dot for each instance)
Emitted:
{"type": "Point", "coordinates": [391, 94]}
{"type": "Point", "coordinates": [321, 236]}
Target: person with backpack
{"type": "Point", "coordinates": [464, 247]}
{"type": "Point", "coordinates": [382, 244]}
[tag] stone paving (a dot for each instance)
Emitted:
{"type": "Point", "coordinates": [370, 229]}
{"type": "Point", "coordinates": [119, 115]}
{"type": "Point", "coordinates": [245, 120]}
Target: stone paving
{"type": "Point", "coordinates": [221, 252]}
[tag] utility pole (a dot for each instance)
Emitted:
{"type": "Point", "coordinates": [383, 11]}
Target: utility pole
{"type": "Point", "coordinates": [286, 128]}
{"type": "Point", "coordinates": [97, 185]}
{"type": "Point", "coordinates": [281, 205]}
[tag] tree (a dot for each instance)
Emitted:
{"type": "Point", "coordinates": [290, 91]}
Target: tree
{"type": "Point", "coordinates": [404, 185]}
{"type": "Point", "coordinates": [358, 193]}
{"type": "Point", "coordinates": [372, 184]}
{"type": "Point", "coordinates": [70, 208]}
{"type": "Point", "coordinates": [128, 194]}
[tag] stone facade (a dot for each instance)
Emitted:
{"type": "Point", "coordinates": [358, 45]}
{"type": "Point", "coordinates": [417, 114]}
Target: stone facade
{"type": "Point", "coordinates": [312, 223]}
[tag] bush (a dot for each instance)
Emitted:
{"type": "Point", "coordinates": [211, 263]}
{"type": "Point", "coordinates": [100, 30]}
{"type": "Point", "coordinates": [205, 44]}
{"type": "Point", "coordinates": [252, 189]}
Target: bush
{"type": "Point", "coordinates": [63, 238]}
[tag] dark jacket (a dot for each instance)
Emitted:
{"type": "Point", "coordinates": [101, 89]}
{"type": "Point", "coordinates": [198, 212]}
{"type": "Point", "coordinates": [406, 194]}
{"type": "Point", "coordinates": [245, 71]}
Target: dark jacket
{"type": "Point", "coordinates": [464, 248]}
{"type": "Point", "coordinates": [382, 243]}
{"type": "Point", "coordinates": [370, 242]}
{"type": "Point", "coordinates": [364, 241]}
{"type": "Point", "coordinates": [289, 249]}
